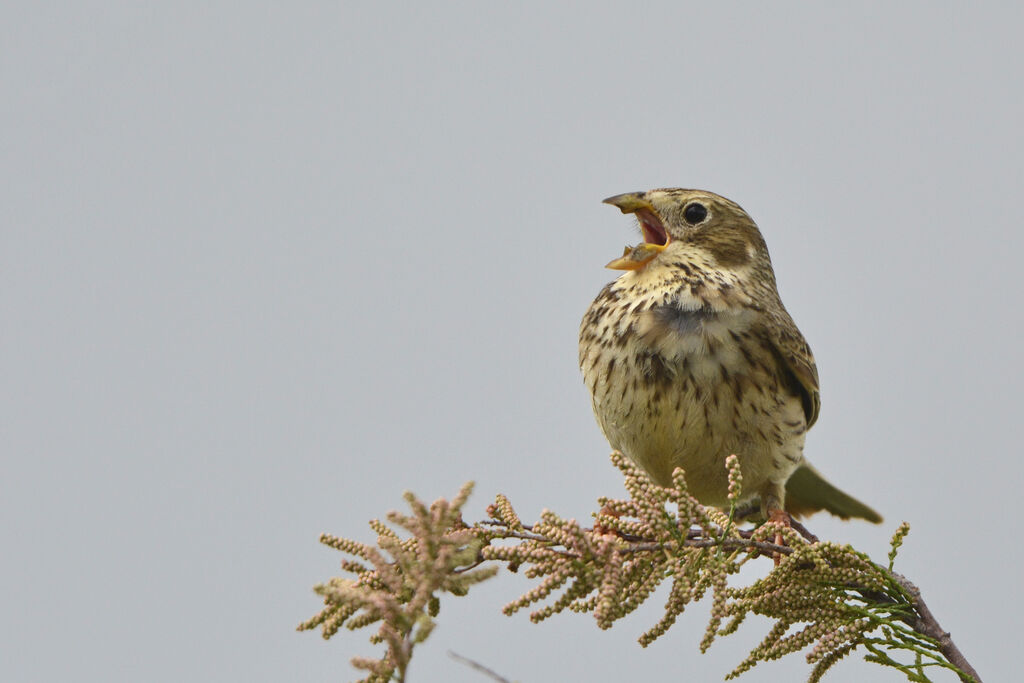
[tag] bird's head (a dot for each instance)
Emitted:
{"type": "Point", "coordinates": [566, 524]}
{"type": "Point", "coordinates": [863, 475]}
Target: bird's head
{"type": "Point", "coordinates": [690, 218]}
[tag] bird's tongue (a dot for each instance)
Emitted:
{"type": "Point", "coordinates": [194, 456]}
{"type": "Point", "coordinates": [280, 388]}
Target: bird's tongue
{"type": "Point", "coordinates": [650, 224]}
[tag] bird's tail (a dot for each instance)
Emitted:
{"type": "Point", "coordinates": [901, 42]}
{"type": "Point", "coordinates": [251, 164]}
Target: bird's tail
{"type": "Point", "coordinates": [807, 492]}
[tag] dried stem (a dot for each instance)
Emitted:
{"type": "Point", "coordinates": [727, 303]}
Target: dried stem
{"type": "Point", "coordinates": [477, 666]}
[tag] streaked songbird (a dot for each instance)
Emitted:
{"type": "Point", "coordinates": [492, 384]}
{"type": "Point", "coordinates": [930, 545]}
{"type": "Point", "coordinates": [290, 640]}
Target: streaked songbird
{"type": "Point", "coordinates": [690, 356]}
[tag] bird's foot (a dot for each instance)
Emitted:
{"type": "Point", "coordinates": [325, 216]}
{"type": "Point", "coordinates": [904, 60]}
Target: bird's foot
{"type": "Point", "coordinates": [606, 512]}
{"type": "Point", "coordinates": [780, 517]}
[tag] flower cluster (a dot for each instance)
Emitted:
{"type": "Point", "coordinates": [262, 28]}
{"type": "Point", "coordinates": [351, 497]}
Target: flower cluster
{"type": "Point", "coordinates": [824, 597]}
{"type": "Point", "coordinates": [658, 534]}
{"type": "Point", "coordinates": [400, 588]}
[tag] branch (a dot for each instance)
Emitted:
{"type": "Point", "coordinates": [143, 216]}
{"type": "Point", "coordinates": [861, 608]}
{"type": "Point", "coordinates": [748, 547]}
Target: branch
{"type": "Point", "coordinates": [928, 625]}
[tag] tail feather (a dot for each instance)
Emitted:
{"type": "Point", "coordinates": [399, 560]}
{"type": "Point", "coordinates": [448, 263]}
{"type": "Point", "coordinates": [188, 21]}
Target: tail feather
{"type": "Point", "coordinates": [807, 492]}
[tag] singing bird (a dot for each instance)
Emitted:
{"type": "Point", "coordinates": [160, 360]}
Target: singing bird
{"type": "Point", "coordinates": [690, 356]}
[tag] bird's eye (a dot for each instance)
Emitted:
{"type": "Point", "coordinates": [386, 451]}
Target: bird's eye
{"type": "Point", "coordinates": [695, 213]}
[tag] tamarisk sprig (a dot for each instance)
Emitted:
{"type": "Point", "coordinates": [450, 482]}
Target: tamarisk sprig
{"type": "Point", "coordinates": [824, 597]}
{"type": "Point", "coordinates": [400, 588]}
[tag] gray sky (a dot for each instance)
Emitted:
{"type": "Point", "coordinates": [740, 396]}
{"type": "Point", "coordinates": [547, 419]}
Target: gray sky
{"type": "Point", "coordinates": [264, 267]}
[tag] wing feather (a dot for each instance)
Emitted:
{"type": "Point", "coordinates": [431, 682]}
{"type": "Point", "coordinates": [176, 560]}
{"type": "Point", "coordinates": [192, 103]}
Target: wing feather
{"type": "Point", "coordinates": [796, 360]}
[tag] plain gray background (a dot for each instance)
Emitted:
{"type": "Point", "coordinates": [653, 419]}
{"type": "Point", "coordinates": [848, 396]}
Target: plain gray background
{"type": "Point", "coordinates": [266, 266]}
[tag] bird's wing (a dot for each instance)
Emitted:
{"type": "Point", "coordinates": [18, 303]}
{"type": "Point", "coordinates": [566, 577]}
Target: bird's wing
{"type": "Point", "coordinates": [797, 360]}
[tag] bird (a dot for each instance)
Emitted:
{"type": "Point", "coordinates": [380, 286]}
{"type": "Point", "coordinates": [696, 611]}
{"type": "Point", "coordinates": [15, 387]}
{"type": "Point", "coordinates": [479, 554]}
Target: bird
{"type": "Point", "coordinates": [690, 357]}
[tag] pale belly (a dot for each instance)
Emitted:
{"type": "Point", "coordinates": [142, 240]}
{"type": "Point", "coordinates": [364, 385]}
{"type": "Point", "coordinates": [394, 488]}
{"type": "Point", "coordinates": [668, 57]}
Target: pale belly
{"type": "Point", "coordinates": [688, 393]}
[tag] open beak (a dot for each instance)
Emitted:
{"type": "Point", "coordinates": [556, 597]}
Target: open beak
{"type": "Point", "coordinates": [655, 236]}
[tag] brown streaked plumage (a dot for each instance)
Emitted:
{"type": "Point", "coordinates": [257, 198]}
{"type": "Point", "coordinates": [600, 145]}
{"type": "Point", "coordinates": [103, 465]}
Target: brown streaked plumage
{"type": "Point", "coordinates": [690, 356]}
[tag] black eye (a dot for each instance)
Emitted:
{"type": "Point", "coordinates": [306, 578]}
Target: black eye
{"type": "Point", "coordinates": [695, 213]}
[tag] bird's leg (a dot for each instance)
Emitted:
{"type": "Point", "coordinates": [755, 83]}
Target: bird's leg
{"type": "Point", "coordinates": [779, 517]}
{"type": "Point", "coordinates": [608, 511]}
{"type": "Point", "coordinates": [775, 512]}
